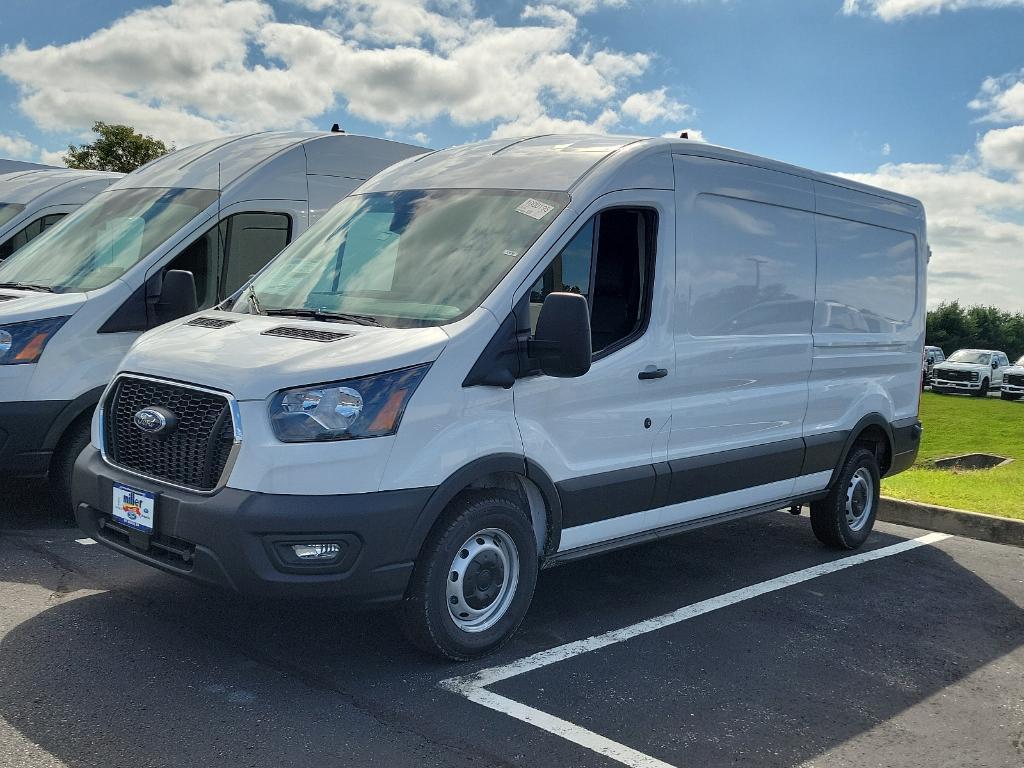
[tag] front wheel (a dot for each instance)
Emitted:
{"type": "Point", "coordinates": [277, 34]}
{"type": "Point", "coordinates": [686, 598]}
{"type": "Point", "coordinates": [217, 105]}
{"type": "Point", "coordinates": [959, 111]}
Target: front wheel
{"type": "Point", "coordinates": [474, 579]}
{"type": "Point", "coordinates": [845, 517]}
{"type": "Point", "coordinates": [1008, 396]}
{"type": "Point", "coordinates": [62, 466]}
{"type": "Point", "coordinates": [983, 392]}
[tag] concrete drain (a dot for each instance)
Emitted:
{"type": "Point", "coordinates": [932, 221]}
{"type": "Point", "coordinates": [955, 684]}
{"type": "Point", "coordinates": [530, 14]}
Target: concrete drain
{"type": "Point", "coordinates": [971, 461]}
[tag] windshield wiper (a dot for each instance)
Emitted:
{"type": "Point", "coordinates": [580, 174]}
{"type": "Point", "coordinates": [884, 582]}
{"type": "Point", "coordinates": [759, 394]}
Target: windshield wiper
{"type": "Point", "coordinates": [325, 316]}
{"type": "Point", "coordinates": [28, 287]}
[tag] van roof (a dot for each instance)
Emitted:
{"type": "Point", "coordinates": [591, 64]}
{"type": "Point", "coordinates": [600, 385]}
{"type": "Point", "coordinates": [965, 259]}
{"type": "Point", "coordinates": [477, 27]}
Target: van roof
{"type": "Point", "coordinates": [560, 162]}
{"type": "Point", "coordinates": [25, 186]}
{"type": "Point", "coordinates": [221, 162]}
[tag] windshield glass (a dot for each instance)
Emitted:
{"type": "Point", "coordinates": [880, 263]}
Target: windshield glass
{"type": "Point", "coordinates": [408, 258]}
{"type": "Point", "coordinates": [8, 211]}
{"type": "Point", "coordinates": [966, 356]}
{"type": "Point", "coordinates": [105, 238]}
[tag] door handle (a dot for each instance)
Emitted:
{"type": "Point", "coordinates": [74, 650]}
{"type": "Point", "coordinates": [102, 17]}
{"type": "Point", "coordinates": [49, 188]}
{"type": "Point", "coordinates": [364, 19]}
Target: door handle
{"type": "Point", "coordinates": [650, 372]}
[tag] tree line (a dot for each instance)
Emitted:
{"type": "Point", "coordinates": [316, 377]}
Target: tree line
{"type": "Point", "coordinates": [954, 327]}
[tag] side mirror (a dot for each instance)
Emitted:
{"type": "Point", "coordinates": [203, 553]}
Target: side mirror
{"type": "Point", "coordinates": [562, 342]}
{"type": "Point", "coordinates": [177, 296]}
{"type": "Point", "coordinates": [995, 364]}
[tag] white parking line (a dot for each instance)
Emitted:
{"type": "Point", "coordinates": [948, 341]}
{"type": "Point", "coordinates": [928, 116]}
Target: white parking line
{"type": "Point", "coordinates": [473, 686]}
{"type": "Point", "coordinates": [84, 542]}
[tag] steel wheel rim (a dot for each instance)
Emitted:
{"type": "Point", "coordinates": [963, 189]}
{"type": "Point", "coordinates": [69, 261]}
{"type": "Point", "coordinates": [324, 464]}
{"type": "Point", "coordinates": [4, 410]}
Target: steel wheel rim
{"type": "Point", "coordinates": [860, 499]}
{"type": "Point", "coordinates": [482, 580]}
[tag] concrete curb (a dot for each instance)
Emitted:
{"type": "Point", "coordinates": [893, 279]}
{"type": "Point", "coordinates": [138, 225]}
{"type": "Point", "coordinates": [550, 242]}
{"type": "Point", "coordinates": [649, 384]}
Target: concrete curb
{"type": "Point", "coordinates": [959, 522]}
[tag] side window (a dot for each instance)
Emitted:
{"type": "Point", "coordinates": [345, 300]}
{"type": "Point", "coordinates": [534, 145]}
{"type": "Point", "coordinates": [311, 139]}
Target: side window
{"type": "Point", "coordinates": [29, 233]}
{"type": "Point", "coordinates": [253, 240]}
{"type": "Point", "coordinates": [609, 262]}
{"type": "Point", "coordinates": [226, 255]}
{"type": "Point", "coordinates": [202, 259]}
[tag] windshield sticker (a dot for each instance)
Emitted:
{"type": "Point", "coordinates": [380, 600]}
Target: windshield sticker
{"type": "Point", "coordinates": [535, 209]}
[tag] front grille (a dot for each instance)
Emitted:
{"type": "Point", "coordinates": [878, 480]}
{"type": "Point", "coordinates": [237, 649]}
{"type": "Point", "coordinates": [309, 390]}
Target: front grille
{"type": "Point", "coordinates": [210, 322]}
{"type": "Point", "coordinates": [1016, 379]}
{"type": "Point", "coordinates": [956, 375]}
{"type": "Point", "coordinates": [193, 455]}
{"type": "Point", "coordinates": [307, 334]}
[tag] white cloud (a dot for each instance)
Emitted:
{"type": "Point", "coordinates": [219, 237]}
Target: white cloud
{"type": "Point", "coordinates": [186, 71]}
{"type": "Point", "coordinates": [893, 10]}
{"type": "Point", "coordinates": [693, 134]}
{"type": "Point", "coordinates": [1001, 98]}
{"type": "Point", "coordinates": [650, 106]}
{"type": "Point", "coordinates": [886, 149]}
{"type": "Point", "coordinates": [17, 147]}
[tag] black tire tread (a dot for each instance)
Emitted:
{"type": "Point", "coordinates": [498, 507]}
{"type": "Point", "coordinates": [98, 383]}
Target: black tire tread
{"type": "Point", "coordinates": [826, 515]}
{"type": "Point", "coordinates": [417, 624]}
{"type": "Point", "coordinates": [71, 445]}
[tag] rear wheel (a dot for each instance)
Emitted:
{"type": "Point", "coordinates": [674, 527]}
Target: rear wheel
{"type": "Point", "coordinates": [62, 465]}
{"type": "Point", "coordinates": [983, 391]}
{"type": "Point", "coordinates": [475, 577]}
{"type": "Point", "coordinates": [845, 517]}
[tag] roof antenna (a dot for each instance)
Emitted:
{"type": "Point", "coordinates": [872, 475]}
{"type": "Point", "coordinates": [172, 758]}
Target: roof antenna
{"type": "Point", "coordinates": [684, 135]}
{"type": "Point", "coordinates": [336, 128]}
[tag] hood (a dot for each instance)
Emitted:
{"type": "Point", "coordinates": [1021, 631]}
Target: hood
{"type": "Point", "coordinates": [1014, 370]}
{"type": "Point", "coordinates": [17, 306]}
{"type": "Point", "coordinates": [242, 359]}
{"type": "Point", "coordinates": [947, 366]}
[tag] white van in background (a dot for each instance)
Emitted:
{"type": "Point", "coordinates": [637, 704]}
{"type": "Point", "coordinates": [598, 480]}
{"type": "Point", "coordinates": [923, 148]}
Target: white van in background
{"type": "Point", "coordinates": [510, 354]}
{"type": "Point", "coordinates": [181, 233]}
{"type": "Point", "coordinates": [33, 201]}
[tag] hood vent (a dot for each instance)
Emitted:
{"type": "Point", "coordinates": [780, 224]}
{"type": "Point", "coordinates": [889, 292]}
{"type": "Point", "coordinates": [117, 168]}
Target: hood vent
{"type": "Point", "coordinates": [308, 334]}
{"type": "Point", "coordinates": [7, 297]}
{"type": "Point", "coordinates": [210, 322]}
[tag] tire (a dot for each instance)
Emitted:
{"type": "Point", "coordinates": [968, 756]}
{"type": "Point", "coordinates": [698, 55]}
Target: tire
{"type": "Point", "coordinates": [845, 517]}
{"type": "Point", "coordinates": [1008, 396]}
{"type": "Point", "coordinates": [62, 465]}
{"type": "Point", "coordinates": [983, 391]}
{"type": "Point", "coordinates": [465, 551]}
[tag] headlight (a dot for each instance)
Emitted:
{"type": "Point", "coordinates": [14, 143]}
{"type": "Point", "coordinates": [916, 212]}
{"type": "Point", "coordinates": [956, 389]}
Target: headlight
{"type": "Point", "coordinates": [342, 410]}
{"type": "Point", "coordinates": [22, 343]}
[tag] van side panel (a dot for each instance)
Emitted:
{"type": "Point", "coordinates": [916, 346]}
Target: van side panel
{"type": "Point", "coordinates": [745, 287]}
{"type": "Point", "coordinates": [869, 310]}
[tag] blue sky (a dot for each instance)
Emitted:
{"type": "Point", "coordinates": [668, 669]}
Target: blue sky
{"type": "Point", "coordinates": [926, 96]}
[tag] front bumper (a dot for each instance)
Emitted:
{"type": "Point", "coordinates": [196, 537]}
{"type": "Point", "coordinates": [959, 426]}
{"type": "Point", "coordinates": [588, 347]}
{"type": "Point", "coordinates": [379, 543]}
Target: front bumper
{"type": "Point", "coordinates": [229, 539]}
{"type": "Point", "coordinates": [24, 430]}
{"type": "Point", "coordinates": [956, 386]}
{"type": "Point", "coordinates": [1012, 389]}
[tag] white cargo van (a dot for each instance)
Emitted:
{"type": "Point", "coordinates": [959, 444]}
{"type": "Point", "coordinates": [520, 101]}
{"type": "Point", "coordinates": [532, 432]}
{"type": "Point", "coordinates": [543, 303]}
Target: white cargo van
{"type": "Point", "coordinates": [33, 201]}
{"type": "Point", "coordinates": [507, 355]}
{"type": "Point", "coordinates": [181, 233]}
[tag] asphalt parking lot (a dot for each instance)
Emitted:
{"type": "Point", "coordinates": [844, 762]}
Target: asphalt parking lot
{"type": "Point", "coordinates": [745, 644]}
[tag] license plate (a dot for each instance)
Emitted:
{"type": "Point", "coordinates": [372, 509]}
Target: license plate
{"type": "Point", "coordinates": [134, 508]}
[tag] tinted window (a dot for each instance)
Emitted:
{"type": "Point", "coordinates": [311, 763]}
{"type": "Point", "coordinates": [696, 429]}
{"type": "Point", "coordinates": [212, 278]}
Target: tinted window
{"type": "Point", "coordinates": [752, 268]}
{"type": "Point", "coordinates": [29, 233]}
{"type": "Point", "coordinates": [250, 239]}
{"type": "Point", "coordinates": [607, 261]}
{"type": "Point", "coordinates": [869, 272]}
{"type": "Point", "coordinates": [253, 240]}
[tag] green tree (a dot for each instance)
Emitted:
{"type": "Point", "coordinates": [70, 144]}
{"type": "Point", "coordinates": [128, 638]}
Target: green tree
{"type": "Point", "coordinates": [953, 327]}
{"type": "Point", "coordinates": [117, 148]}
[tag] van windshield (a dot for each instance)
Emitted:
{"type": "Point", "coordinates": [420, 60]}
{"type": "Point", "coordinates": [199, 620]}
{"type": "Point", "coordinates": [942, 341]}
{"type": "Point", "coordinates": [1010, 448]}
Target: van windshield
{"type": "Point", "coordinates": [8, 211]}
{"type": "Point", "coordinates": [967, 356]}
{"type": "Point", "coordinates": [104, 238]}
{"type": "Point", "coordinates": [407, 258]}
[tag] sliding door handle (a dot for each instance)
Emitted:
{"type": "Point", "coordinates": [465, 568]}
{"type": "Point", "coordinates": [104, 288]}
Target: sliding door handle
{"type": "Point", "coordinates": [650, 372]}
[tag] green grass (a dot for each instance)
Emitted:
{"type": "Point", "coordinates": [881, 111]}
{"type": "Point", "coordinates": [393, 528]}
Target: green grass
{"type": "Point", "coordinates": [954, 424]}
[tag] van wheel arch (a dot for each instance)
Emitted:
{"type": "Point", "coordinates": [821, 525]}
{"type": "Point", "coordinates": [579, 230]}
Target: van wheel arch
{"type": "Point", "coordinates": [508, 472]}
{"type": "Point", "coordinates": [874, 433]}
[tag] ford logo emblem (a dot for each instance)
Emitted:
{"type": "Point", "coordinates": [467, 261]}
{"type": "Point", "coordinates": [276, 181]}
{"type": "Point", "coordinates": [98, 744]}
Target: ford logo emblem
{"type": "Point", "coordinates": [154, 420]}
